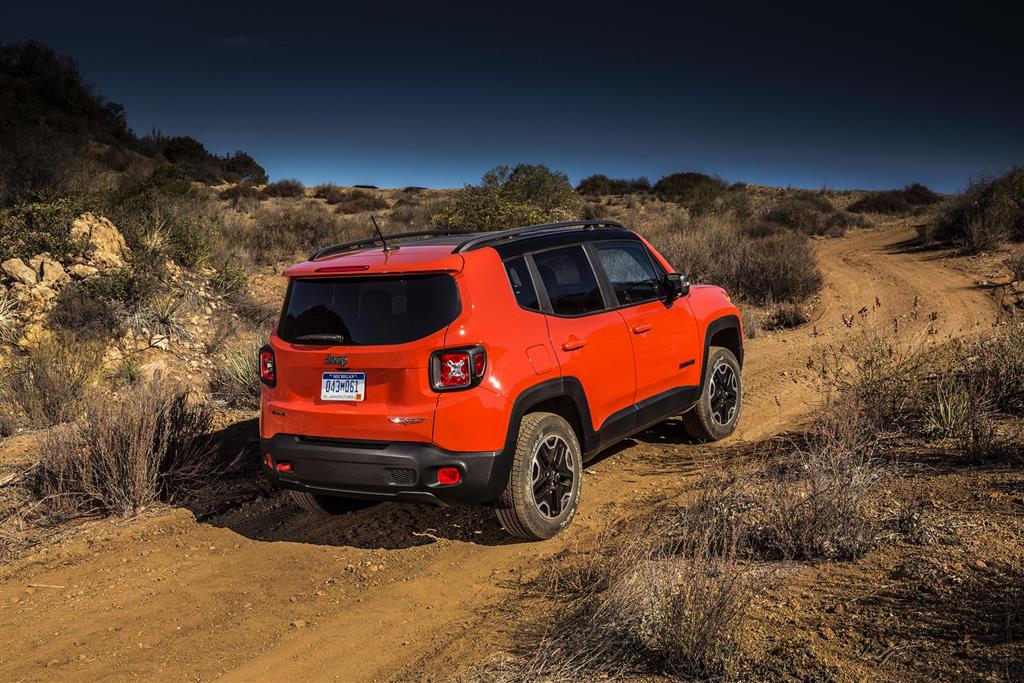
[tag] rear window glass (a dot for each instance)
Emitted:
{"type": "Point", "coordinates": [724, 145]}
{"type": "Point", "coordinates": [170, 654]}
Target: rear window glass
{"type": "Point", "coordinates": [569, 281]}
{"type": "Point", "coordinates": [522, 284]}
{"type": "Point", "coordinates": [368, 311]}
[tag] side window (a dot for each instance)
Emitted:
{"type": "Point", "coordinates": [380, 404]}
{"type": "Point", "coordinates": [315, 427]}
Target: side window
{"type": "Point", "coordinates": [522, 283]}
{"type": "Point", "coordinates": [569, 280]}
{"type": "Point", "coordinates": [630, 271]}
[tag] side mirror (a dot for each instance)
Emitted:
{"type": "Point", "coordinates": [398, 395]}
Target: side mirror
{"type": "Point", "coordinates": [677, 285]}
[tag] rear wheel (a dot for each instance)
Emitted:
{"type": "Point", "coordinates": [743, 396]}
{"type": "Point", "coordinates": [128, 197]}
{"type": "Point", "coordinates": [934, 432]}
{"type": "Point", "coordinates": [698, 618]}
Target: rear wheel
{"type": "Point", "coordinates": [543, 489]}
{"type": "Point", "coordinates": [718, 409]}
{"type": "Point", "coordinates": [325, 505]}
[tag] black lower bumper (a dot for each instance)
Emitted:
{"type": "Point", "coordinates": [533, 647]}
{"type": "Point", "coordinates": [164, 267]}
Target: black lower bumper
{"type": "Point", "coordinates": [381, 470]}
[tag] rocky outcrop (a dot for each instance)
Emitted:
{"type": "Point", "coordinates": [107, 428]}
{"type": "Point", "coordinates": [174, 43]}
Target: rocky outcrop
{"type": "Point", "coordinates": [20, 272]}
{"type": "Point", "coordinates": [106, 245]}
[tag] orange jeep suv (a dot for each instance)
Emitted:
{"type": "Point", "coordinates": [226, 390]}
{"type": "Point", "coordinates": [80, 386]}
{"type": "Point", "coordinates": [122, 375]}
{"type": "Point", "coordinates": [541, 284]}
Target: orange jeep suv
{"type": "Point", "coordinates": [487, 368]}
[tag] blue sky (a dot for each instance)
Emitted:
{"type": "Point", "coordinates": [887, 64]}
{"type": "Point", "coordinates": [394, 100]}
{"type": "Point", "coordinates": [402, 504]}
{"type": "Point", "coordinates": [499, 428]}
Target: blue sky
{"type": "Point", "coordinates": [801, 95]}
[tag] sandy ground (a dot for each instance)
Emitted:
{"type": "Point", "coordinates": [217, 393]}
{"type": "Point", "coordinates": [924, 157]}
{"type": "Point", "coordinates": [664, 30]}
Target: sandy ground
{"type": "Point", "coordinates": [265, 592]}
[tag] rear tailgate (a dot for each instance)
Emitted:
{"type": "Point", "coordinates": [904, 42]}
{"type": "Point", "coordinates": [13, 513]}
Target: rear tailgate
{"type": "Point", "coordinates": [374, 334]}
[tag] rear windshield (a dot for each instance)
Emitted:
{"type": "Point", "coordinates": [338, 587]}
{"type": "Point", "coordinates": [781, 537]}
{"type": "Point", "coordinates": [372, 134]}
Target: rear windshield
{"type": "Point", "coordinates": [368, 311]}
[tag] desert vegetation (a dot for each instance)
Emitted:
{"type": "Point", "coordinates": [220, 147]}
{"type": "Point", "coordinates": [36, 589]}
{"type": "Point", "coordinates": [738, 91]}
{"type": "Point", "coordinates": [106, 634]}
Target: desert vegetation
{"type": "Point", "coordinates": [988, 213]}
{"type": "Point", "coordinates": [675, 592]}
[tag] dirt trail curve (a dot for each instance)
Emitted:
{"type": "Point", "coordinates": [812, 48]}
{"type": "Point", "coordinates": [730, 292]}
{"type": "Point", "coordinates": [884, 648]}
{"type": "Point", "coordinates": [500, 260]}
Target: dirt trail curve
{"type": "Point", "coordinates": [264, 592]}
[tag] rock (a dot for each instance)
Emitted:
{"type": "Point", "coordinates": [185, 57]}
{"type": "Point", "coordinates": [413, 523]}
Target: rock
{"type": "Point", "coordinates": [51, 272]}
{"type": "Point", "coordinates": [43, 293]}
{"type": "Point", "coordinates": [82, 271]}
{"type": "Point", "coordinates": [107, 248]}
{"type": "Point", "coordinates": [17, 269]}
{"type": "Point", "coordinates": [298, 623]}
{"type": "Point", "coordinates": [161, 342]}
{"type": "Point", "coordinates": [827, 633]}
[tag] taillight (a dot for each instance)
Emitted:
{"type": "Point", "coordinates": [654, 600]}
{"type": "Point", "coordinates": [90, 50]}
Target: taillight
{"type": "Point", "coordinates": [461, 368]}
{"type": "Point", "coordinates": [268, 368]}
{"type": "Point", "coordinates": [446, 476]}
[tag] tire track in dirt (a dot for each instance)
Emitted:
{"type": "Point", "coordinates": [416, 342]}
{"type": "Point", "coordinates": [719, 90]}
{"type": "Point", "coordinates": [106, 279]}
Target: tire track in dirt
{"type": "Point", "coordinates": [264, 592]}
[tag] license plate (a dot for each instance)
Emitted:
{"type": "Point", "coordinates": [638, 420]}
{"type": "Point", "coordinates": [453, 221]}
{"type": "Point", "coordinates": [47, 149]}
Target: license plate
{"type": "Point", "coordinates": [343, 386]}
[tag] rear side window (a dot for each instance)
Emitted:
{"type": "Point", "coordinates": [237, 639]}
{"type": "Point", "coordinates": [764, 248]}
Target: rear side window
{"type": "Point", "coordinates": [569, 280]}
{"type": "Point", "coordinates": [522, 284]}
{"type": "Point", "coordinates": [368, 311]}
{"type": "Point", "coordinates": [630, 271]}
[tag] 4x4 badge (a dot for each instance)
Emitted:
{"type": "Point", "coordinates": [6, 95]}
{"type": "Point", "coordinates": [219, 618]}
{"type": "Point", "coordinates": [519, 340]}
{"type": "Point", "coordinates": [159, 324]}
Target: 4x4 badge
{"type": "Point", "coordinates": [336, 360]}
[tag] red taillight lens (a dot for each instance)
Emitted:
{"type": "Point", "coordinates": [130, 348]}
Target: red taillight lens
{"type": "Point", "coordinates": [268, 368]}
{"type": "Point", "coordinates": [457, 368]}
{"type": "Point", "coordinates": [284, 467]}
{"type": "Point", "coordinates": [447, 476]}
{"type": "Point", "coordinates": [268, 460]}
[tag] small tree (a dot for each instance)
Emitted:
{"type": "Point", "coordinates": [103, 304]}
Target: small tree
{"type": "Point", "coordinates": [509, 197]}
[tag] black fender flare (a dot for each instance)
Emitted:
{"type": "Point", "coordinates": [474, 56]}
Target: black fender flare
{"type": "Point", "coordinates": [725, 322]}
{"type": "Point", "coordinates": [557, 387]}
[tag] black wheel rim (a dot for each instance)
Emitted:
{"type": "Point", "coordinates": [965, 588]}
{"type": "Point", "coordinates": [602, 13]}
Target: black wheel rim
{"type": "Point", "coordinates": [723, 394]}
{"type": "Point", "coordinates": [552, 472]}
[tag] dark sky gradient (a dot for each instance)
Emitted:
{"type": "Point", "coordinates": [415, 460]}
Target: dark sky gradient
{"type": "Point", "coordinates": [836, 94]}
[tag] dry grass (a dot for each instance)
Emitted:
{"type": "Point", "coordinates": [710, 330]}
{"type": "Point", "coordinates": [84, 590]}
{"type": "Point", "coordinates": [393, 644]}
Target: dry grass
{"type": "Point", "coordinates": [282, 232]}
{"type": "Point", "coordinates": [48, 385]}
{"type": "Point", "coordinates": [631, 606]}
{"type": "Point", "coordinates": [288, 188]}
{"type": "Point", "coordinates": [784, 317]}
{"type": "Point", "coordinates": [150, 443]}
{"type": "Point", "coordinates": [9, 324]}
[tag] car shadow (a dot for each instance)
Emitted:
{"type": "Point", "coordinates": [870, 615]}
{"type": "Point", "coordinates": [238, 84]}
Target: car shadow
{"type": "Point", "coordinates": [243, 501]}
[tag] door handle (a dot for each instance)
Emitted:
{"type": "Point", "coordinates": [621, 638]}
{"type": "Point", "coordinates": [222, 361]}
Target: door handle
{"type": "Point", "coordinates": [574, 344]}
{"type": "Point", "coordinates": [641, 328]}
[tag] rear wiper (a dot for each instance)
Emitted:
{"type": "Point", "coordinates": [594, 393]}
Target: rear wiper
{"type": "Point", "coordinates": [339, 338]}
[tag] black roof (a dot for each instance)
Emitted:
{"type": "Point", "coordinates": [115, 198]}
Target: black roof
{"type": "Point", "coordinates": [463, 241]}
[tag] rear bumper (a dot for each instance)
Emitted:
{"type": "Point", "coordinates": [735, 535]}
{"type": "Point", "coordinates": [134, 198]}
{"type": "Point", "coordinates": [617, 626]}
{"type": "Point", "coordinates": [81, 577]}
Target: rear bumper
{"type": "Point", "coordinates": [380, 470]}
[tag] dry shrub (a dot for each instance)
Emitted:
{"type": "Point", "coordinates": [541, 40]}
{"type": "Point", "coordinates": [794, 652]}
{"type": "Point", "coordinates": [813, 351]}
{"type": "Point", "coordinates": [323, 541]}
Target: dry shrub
{"type": "Point", "coordinates": [770, 266]}
{"type": "Point", "coordinates": [784, 317]}
{"type": "Point", "coordinates": [236, 376]}
{"type": "Point", "coordinates": [639, 608]}
{"type": "Point", "coordinates": [275, 233]}
{"type": "Point", "coordinates": [1016, 265]}
{"type": "Point", "coordinates": [48, 384]}
{"type": "Point", "coordinates": [816, 501]}
{"type": "Point", "coordinates": [812, 213]}
{"type": "Point", "coordinates": [287, 188]}
{"type": "Point", "coordinates": [955, 390]}
{"type": "Point", "coordinates": [150, 443]}
{"type": "Point", "coordinates": [988, 212]}
{"type": "Point", "coordinates": [359, 201]}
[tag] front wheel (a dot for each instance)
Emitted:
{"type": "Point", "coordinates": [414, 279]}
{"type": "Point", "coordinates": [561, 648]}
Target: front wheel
{"type": "Point", "coordinates": [543, 489]}
{"type": "Point", "coordinates": [718, 408]}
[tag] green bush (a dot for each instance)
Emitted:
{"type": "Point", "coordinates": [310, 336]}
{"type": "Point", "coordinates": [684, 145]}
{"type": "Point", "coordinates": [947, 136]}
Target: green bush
{"type": "Point", "coordinates": [896, 201]}
{"type": "Point", "coordinates": [165, 213]}
{"type": "Point", "coordinates": [506, 198]}
{"type": "Point", "coordinates": [236, 376]}
{"type": "Point", "coordinates": [287, 188]}
{"type": "Point", "coordinates": [597, 185]}
{"type": "Point", "coordinates": [31, 228]}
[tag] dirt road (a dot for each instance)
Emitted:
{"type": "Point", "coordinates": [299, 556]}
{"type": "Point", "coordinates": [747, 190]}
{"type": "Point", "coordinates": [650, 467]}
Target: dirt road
{"type": "Point", "coordinates": [264, 592]}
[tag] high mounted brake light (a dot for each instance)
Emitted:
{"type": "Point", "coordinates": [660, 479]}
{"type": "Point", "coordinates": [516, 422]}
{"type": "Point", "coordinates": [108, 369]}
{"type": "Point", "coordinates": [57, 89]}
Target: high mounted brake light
{"type": "Point", "coordinates": [341, 269]}
{"type": "Point", "coordinates": [268, 368]}
{"type": "Point", "coordinates": [460, 368]}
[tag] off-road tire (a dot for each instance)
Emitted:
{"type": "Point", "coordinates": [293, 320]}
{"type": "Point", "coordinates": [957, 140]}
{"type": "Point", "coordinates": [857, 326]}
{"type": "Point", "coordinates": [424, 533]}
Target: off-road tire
{"type": "Point", "coordinates": [517, 507]}
{"type": "Point", "coordinates": [700, 420]}
{"type": "Point", "coordinates": [325, 505]}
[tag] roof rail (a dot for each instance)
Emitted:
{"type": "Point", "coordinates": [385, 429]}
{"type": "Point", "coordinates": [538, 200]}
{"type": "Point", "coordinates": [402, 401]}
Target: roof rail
{"type": "Point", "coordinates": [336, 249]}
{"type": "Point", "coordinates": [502, 235]}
